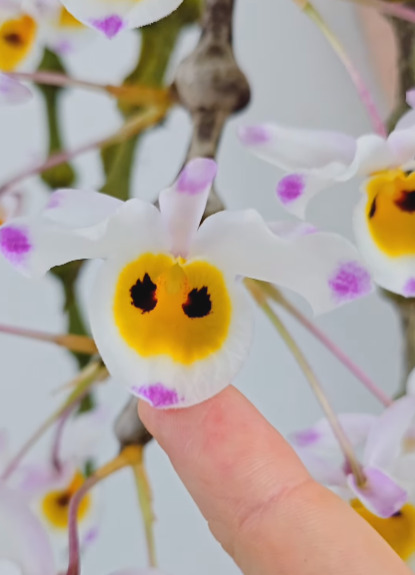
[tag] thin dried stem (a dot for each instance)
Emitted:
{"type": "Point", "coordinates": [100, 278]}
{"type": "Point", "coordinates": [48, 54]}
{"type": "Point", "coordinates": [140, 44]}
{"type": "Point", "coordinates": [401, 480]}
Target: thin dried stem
{"type": "Point", "coordinates": [72, 342]}
{"type": "Point", "coordinates": [360, 85]}
{"type": "Point", "coordinates": [370, 385]}
{"type": "Point", "coordinates": [133, 126]}
{"type": "Point", "coordinates": [145, 499]}
{"type": "Point", "coordinates": [83, 382]}
{"type": "Point", "coordinates": [129, 456]}
{"type": "Point", "coordinates": [344, 443]}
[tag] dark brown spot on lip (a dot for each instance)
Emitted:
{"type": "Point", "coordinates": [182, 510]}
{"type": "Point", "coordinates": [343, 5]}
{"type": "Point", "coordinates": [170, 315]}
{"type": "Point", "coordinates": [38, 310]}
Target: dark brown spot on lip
{"type": "Point", "coordinates": [143, 294]}
{"type": "Point", "coordinates": [406, 202]}
{"type": "Point", "coordinates": [372, 210]}
{"type": "Point", "coordinates": [63, 499]}
{"type": "Point", "coordinates": [198, 303]}
{"type": "Point", "coordinates": [14, 39]}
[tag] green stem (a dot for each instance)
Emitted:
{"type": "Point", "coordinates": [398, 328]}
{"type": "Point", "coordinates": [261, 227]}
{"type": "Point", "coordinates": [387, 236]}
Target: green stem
{"type": "Point", "coordinates": [145, 501]}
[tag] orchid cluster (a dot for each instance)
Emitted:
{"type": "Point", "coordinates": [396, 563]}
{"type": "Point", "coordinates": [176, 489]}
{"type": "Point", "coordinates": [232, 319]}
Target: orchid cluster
{"type": "Point", "coordinates": [169, 313]}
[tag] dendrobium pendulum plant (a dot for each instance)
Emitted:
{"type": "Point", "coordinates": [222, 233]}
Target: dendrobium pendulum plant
{"type": "Point", "coordinates": [169, 311]}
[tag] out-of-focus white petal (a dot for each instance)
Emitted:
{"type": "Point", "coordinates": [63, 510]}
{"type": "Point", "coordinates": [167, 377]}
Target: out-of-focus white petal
{"type": "Point", "coordinates": [299, 150]}
{"type": "Point", "coordinates": [83, 435]}
{"type": "Point", "coordinates": [385, 440]}
{"type": "Point", "coordinates": [402, 144]}
{"type": "Point", "coordinates": [160, 380]}
{"type": "Point", "coordinates": [324, 268]}
{"type": "Point", "coordinates": [71, 227]}
{"type": "Point", "coordinates": [112, 16]}
{"type": "Point", "coordinates": [410, 383]}
{"type": "Point", "coordinates": [12, 91]}
{"type": "Point", "coordinates": [396, 274]}
{"type": "Point", "coordinates": [22, 538]}
{"type": "Point", "coordinates": [182, 206]}
{"type": "Point", "coordinates": [380, 494]}
{"type": "Point", "coordinates": [406, 121]}
{"type": "Point", "coordinates": [290, 230]}
{"type": "Point", "coordinates": [320, 436]}
{"type": "Point", "coordinates": [322, 469]}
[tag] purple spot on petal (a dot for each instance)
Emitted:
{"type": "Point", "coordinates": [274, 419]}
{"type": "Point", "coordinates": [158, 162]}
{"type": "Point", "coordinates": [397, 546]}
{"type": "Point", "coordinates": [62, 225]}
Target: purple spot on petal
{"type": "Point", "coordinates": [349, 282]}
{"type": "Point", "coordinates": [55, 201]}
{"type": "Point", "coordinates": [110, 25]}
{"type": "Point", "coordinates": [157, 394]}
{"type": "Point", "coordinates": [196, 176]}
{"type": "Point", "coordinates": [14, 243]}
{"type": "Point", "coordinates": [254, 135]}
{"type": "Point", "coordinates": [409, 288]}
{"type": "Point", "coordinates": [305, 438]}
{"type": "Point", "coordinates": [290, 188]}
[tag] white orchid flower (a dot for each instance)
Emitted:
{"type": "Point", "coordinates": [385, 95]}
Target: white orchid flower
{"type": "Point", "coordinates": [384, 220]}
{"type": "Point", "coordinates": [112, 16]}
{"type": "Point", "coordinates": [167, 310]}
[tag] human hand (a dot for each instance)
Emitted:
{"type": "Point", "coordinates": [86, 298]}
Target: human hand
{"type": "Point", "coordinates": [259, 500]}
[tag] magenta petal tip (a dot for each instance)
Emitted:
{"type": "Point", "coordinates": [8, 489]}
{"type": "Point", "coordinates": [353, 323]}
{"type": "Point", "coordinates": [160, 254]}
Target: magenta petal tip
{"type": "Point", "coordinates": [196, 176]}
{"type": "Point", "coordinates": [110, 25]}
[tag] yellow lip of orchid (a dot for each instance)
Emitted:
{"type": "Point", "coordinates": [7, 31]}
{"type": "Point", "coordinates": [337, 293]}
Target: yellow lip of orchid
{"type": "Point", "coordinates": [390, 212]}
{"type": "Point", "coordinates": [17, 37]}
{"type": "Point", "coordinates": [398, 530]}
{"type": "Point", "coordinates": [55, 504]}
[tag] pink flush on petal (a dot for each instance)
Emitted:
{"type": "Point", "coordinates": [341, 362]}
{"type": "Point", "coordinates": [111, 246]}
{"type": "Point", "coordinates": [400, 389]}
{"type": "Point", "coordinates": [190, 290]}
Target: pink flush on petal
{"type": "Point", "coordinates": [157, 394]}
{"type": "Point", "coordinates": [196, 176]}
{"type": "Point", "coordinates": [409, 288]}
{"type": "Point", "coordinates": [14, 243]}
{"type": "Point", "coordinates": [380, 494]}
{"type": "Point", "coordinates": [254, 135]}
{"type": "Point", "coordinates": [290, 188]}
{"type": "Point", "coordinates": [305, 437]}
{"type": "Point", "coordinates": [410, 98]}
{"type": "Point", "coordinates": [110, 25]}
{"type": "Point", "coordinates": [349, 282]}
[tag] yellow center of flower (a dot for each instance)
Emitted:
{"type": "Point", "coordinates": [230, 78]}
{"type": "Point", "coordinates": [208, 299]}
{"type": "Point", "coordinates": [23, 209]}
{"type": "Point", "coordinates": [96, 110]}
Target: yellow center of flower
{"type": "Point", "coordinates": [390, 212]}
{"type": "Point", "coordinates": [16, 40]}
{"type": "Point", "coordinates": [398, 530]}
{"type": "Point", "coordinates": [55, 505]}
{"type": "Point", "coordinates": [66, 20]}
{"type": "Point", "coordinates": [166, 306]}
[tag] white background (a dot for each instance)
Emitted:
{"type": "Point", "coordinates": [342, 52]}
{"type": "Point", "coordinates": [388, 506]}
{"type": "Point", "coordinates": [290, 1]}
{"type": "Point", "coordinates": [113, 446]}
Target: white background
{"type": "Point", "coordinates": [296, 80]}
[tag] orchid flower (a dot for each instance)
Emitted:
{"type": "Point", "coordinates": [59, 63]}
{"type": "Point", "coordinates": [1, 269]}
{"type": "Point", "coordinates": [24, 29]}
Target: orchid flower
{"type": "Point", "coordinates": [384, 218]}
{"type": "Point", "coordinates": [168, 312]}
{"type": "Point", "coordinates": [384, 456]}
{"type": "Point", "coordinates": [12, 91]}
{"type": "Point", "coordinates": [18, 31]}
{"type": "Point", "coordinates": [112, 16]}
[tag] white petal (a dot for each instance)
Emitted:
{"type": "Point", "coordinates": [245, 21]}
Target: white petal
{"type": "Point", "coordinates": [320, 436]}
{"type": "Point", "coordinates": [404, 469]}
{"type": "Point", "coordinates": [83, 435]}
{"type": "Point", "coordinates": [22, 538]}
{"type": "Point", "coordinates": [380, 494]}
{"type": "Point", "coordinates": [384, 442]}
{"type": "Point", "coordinates": [396, 274]}
{"type": "Point", "coordinates": [406, 121]}
{"type": "Point", "coordinates": [182, 206]}
{"type": "Point", "coordinates": [112, 16]}
{"type": "Point", "coordinates": [324, 268]}
{"type": "Point", "coordinates": [322, 469]}
{"type": "Point", "coordinates": [296, 190]}
{"type": "Point", "coordinates": [158, 379]}
{"type": "Point", "coordinates": [72, 226]}
{"type": "Point", "coordinates": [299, 150]}
{"type": "Point", "coordinates": [12, 91]}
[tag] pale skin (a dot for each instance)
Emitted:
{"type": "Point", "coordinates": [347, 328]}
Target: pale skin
{"type": "Point", "coordinates": [259, 500]}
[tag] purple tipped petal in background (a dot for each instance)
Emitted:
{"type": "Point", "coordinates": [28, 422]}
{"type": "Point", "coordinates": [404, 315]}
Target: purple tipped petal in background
{"type": "Point", "coordinates": [380, 494]}
{"type": "Point", "coordinates": [12, 91]}
{"type": "Point", "coordinates": [196, 176]}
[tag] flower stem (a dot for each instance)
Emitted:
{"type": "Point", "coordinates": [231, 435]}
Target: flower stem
{"type": "Point", "coordinates": [137, 95]}
{"type": "Point", "coordinates": [277, 296]}
{"type": "Point", "coordinates": [363, 91]}
{"type": "Point", "coordinates": [345, 445]}
{"type": "Point", "coordinates": [133, 126]}
{"type": "Point", "coordinates": [84, 380]}
{"type": "Point", "coordinates": [145, 499]}
{"type": "Point", "coordinates": [129, 456]}
{"type": "Point", "coordinates": [76, 343]}
{"type": "Point", "coordinates": [57, 440]}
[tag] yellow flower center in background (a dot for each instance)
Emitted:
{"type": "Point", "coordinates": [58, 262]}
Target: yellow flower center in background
{"type": "Point", "coordinates": [16, 40]}
{"type": "Point", "coordinates": [166, 306]}
{"type": "Point", "coordinates": [66, 20]}
{"type": "Point", "coordinates": [398, 530]}
{"type": "Point", "coordinates": [55, 505]}
{"type": "Point", "coordinates": [390, 212]}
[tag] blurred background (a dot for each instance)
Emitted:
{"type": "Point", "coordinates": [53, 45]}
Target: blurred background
{"type": "Point", "coordinates": [297, 80]}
